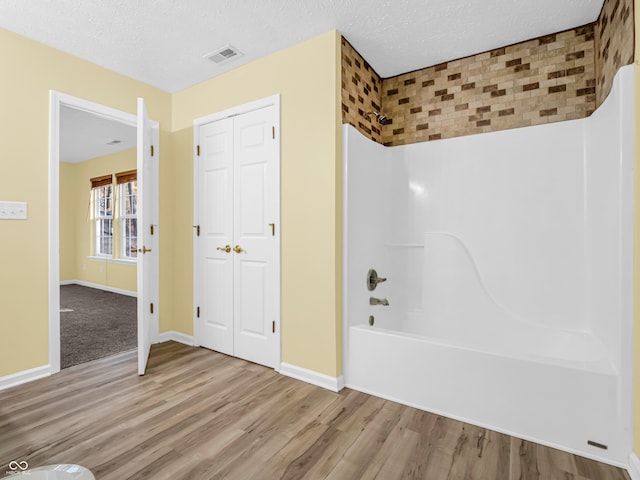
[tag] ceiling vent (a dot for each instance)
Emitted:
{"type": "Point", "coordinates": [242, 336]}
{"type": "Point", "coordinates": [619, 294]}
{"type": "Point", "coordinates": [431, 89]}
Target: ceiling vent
{"type": "Point", "coordinates": [224, 54]}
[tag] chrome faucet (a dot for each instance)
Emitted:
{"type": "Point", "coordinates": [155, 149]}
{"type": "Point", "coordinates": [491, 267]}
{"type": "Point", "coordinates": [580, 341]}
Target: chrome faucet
{"type": "Point", "coordinates": [378, 301]}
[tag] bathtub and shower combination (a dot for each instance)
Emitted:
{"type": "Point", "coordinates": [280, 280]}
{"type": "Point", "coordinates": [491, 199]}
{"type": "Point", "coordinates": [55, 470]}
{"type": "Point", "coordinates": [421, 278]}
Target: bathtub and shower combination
{"type": "Point", "coordinates": [509, 267]}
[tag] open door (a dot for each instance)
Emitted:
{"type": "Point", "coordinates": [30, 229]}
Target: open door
{"type": "Point", "coordinates": [147, 234]}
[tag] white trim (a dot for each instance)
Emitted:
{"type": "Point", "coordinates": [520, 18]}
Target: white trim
{"type": "Point", "coordinates": [335, 384]}
{"type": "Point", "coordinates": [155, 238]}
{"type": "Point", "coordinates": [273, 100]}
{"type": "Point", "coordinates": [98, 286]}
{"type": "Point", "coordinates": [56, 101]}
{"type": "Point", "coordinates": [25, 376]}
{"type": "Point", "coordinates": [345, 249]}
{"type": "Point", "coordinates": [239, 110]}
{"type": "Point", "coordinates": [123, 261]}
{"type": "Point", "coordinates": [176, 337]}
{"type": "Point", "coordinates": [624, 82]}
{"type": "Point", "coordinates": [634, 467]}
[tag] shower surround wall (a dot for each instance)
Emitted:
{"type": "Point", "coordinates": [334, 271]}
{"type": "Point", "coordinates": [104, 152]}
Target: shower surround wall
{"type": "Point", "coordinates": [562, 76]}
{"type": "Point", "coordinates": [508, 259]}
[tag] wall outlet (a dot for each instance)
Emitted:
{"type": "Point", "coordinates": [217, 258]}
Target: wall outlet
{"type": "Point", "coordinates": [100, 268]}
{"type": "Point", "coordinates": [13, 210]}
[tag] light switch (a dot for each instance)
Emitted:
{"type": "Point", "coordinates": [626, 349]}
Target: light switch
{"type": "Point", "coordinates": [13, 210]}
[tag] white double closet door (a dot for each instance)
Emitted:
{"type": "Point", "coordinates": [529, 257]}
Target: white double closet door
{"type": "Point", "coordinates": [237, 274]}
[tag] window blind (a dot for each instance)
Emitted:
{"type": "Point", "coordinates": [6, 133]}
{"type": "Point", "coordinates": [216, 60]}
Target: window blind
{"type": "Point", "coordinates": [101, 181]}
{"type": "Point", "coordinates": [124, 177]}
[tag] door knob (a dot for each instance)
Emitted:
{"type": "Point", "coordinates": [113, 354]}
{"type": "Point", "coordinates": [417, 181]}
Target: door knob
{"type": "Point", "coordinates": [237, 249]}
{"type": "Point", "coordinates": [144, 249]}
{"type": "Point", "coordinates": [226, 248]}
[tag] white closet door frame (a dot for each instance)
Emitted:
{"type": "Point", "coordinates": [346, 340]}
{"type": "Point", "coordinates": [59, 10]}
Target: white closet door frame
{"type": "Point", "coordinates": [274, 101]}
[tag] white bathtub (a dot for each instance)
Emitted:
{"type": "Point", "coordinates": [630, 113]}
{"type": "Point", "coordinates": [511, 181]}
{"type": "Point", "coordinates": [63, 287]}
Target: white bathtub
{"type": "Point", "coordinates": [509, 266]}
{"type": "Point", "coordinates": [564, 404]}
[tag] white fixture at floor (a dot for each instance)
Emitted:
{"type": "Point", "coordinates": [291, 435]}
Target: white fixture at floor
{"type": "Point", "coordinates": [56, 472]}
{"type": "Point", "coordinates": [509, 259]}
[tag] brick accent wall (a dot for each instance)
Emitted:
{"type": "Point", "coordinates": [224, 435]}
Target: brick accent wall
{"type": "Point", "coordinates": [614, 43]}
{"type": "Point", "coordinates": [360, 93]}
{"type": "Point", "coordinates": [557, 77]}
{"type": "Point", "coordinates": [548, 79]}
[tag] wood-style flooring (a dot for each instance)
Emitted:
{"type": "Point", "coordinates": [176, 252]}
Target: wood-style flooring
{"type": "Point", "coordinates": [198, 414]}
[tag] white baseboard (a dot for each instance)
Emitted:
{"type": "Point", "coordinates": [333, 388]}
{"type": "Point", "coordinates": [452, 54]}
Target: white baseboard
{"type": "Point", "coordinates": [24, 376]}
{"type": "Point", "coordinates": [634, 467]}
{"type": "Point", "coordinates": [97, 286]}
{"type": "Point", "coordinates": [176, 337]}
{"type": "Point", "coordinates": [335, 384]}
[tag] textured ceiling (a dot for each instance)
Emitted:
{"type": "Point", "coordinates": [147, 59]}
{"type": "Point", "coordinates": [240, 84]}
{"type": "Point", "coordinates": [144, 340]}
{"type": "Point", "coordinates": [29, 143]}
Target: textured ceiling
{"type": "Point", "coordinates": [162, 42]}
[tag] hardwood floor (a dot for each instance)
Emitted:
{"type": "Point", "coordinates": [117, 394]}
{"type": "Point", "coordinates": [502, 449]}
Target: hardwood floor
{"type": "Point", "coordinates": [198, 414]}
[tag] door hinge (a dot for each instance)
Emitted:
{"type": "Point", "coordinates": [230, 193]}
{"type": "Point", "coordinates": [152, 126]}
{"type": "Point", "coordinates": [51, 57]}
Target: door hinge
{"type": "Point", "coordinates": [273, 229]}
{"type": "Point", "coordinates": [273, 132]}
{"type": "Point", "coordinates": [152, 150]}
{"type": "Point", "coordinates": [198, 150]}
{"type": "Point", "coordinates": [151, 229]}
{"type": "Point", "coordinates": [273, 326]}
{"type": "Point", "coordinates": [198, 312]}
{"type": "Point", "coordinates": [151, 308]}
{"type": "Point", "coordinates": [197, 227]}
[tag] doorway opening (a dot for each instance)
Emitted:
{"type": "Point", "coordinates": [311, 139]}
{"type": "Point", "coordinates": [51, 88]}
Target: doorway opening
{"type": "Point", "coordinates": [79, 128]}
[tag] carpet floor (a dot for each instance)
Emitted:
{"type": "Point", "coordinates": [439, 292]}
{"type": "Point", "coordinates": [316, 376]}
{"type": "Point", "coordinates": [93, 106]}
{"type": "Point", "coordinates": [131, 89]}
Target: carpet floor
{"type": "Point", "coordinates": [95, 324]}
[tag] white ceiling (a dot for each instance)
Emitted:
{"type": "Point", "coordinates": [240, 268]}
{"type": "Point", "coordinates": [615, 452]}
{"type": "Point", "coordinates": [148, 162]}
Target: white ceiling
{"type": "Point", "coordinates": [162, 42]}
{"type": "Point", "coordinates": [84, 136]}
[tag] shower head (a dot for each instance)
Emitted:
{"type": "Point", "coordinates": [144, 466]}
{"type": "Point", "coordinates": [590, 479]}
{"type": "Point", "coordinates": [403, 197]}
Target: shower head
{"type": "Point", "coordinates": [382, 119]}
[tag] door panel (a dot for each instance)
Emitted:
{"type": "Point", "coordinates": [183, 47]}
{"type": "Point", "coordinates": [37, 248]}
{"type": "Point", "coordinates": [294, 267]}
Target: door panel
{"type": "Point", "coordinates": [147, 261]}
{"type": "Point", "coordinates": [252, 134]}
{"type": "Point", "coordinates": [219, 216]}
{"type": "Point", "coordinates": [218, 320]}
{"type": "Point", "coordinates": [251, 316]}
{"type": "Point", "coordinates": [254, 208]}
{"type": "Point", "coordinates": [216, 232]}
{"type": "Point", "coordinates": [237, 204]}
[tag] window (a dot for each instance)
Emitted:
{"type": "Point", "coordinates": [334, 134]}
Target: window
{"type": "Point", "coordinates": [127, 213]}
{"type": "Point", "coordinates": [102, 192]}
{"type": "Point", "coordinates": [115, 216]}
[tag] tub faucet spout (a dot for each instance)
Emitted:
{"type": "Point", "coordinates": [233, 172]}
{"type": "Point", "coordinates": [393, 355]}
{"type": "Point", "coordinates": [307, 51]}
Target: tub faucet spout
{"type": "Point", "coordinates": [378, 301]}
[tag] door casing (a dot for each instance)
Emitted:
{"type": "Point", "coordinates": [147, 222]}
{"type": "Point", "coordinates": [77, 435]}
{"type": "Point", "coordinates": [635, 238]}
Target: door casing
{"type": "Point", "coordinates": [273, 100]}
{"type": "Point", "coordinates": [56, 101]}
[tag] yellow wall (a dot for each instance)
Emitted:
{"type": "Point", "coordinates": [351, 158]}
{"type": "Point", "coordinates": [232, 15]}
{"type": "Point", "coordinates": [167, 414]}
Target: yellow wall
{"type": "Point", "coordinates": [29, 71]}
{"type": "Point", "coordinates": [307, 77]}
{"type": "Point", "coordinates": [636, 349]}
{"type": "Point", "coordinates": [68, 221]}
{"type": "Point", "coordinates": [75, 223]}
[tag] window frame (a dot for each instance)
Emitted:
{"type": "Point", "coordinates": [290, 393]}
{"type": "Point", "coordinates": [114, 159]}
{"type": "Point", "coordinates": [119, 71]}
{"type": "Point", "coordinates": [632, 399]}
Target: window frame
{"type": "Point", "coordinates": [126, 242]}
{"type": "Point", "coordinates": [99, 186]}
